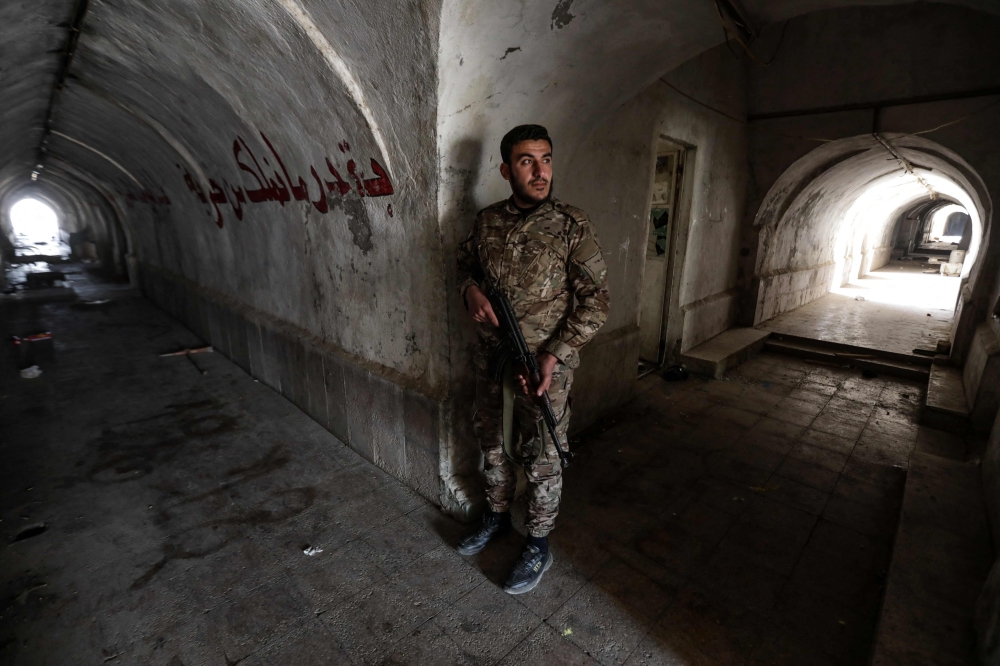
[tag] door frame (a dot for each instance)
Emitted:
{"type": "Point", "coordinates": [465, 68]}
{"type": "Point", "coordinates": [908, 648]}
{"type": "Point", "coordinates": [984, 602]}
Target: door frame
{"type": "Point", "coordinates": [672, 322]}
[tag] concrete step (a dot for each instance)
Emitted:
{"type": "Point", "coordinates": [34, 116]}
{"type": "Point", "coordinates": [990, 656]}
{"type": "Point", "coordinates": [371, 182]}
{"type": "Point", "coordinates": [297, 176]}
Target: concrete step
{"type": "Point", "coordinates": [845, 349]}
{"type": "Point", "coordinates": [724, 351]}
{"type": "Point", "coordinates": [940, 560]}
{"type": "Point", "coordinates": [889, 363]}
{"type": "Point", "coordinates": [945, 406]}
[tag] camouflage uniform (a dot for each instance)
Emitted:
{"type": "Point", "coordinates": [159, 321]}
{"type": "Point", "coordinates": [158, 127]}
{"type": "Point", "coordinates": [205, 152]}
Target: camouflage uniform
{"type": "Point", "coordinates": [544, 262]}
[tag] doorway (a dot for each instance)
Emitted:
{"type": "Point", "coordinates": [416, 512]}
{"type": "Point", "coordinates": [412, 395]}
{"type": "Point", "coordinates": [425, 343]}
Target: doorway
{"type": "Point", "coordinates": [665, 211]}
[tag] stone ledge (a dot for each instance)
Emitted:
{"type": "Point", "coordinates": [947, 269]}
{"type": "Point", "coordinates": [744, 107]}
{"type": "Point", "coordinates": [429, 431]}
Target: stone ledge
{"type": "Point", "coordinates": [940, 560]}
{"type": "Point", "coordinates": [945, 406]}
{"type": "Point", "coordinates": [724, 351]}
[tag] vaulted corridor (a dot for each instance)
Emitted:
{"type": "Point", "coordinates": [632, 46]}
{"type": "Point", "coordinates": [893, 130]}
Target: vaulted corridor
{"type": "Point", "coordinates": [245, 396]}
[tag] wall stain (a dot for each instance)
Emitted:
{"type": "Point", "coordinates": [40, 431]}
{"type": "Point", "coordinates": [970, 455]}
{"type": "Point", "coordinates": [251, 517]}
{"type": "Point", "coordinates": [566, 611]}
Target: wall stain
{"type": "Point", "coordinates": [561, 16]}
{"type": "Point", "coordinates": [357, 222]}
{"type": "Point", "coordinates": [510, 50]}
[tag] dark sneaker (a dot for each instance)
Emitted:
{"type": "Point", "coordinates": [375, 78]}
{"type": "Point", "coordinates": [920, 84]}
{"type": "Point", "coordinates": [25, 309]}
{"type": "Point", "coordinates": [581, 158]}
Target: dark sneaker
{"type": "Point", "coordinates": [528, 570]}
{"type": "Point", "coordinates": [475, 541]}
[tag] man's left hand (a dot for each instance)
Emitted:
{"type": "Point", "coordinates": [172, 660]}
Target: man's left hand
{"type": "Point", "coordinates": [546, 363]}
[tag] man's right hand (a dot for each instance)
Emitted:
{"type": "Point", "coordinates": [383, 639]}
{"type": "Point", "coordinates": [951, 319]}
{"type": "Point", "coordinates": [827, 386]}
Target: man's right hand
{"type": "Point", "coordinates": [479, 306]}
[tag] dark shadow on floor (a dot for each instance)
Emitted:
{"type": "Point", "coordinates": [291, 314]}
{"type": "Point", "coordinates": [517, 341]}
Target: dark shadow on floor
{"type": "Point", "coordinates": [746, 520]}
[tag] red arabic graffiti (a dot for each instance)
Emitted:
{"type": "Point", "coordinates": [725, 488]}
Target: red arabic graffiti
{"type": "Point", "coordinates": [279, 185]}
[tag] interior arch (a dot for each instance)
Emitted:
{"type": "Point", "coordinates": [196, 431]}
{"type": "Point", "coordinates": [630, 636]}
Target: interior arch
{"type": "Point", "coordinates": [820, 228]}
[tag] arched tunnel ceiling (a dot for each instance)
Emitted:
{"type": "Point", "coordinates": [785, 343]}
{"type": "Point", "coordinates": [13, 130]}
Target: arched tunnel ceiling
{"type": "Point", "coordinates": [569, 64]}
{"type": "Point", "coordinates": [159, 96]}
{"type": "Point", "coordinates": [555, 62]}
{"type": "Point", "coordinates": [834, 208]}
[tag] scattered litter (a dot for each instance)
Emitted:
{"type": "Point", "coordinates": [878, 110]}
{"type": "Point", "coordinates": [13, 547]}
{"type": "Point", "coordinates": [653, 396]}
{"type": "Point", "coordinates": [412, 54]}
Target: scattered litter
{"type": "Point", "coordinates": [43, 279]}
{"type": "Point", "coordinates": [92, 304]}
{"type": "Point", "coordinates": [23, 597]}
{"type": "Point", "coordinates": [188, 352]}
{"type": "Point", "coordinates": [859, 298]}
{"type": "Point", "coordinates": [31, 372]}
{"type": "Point", "coordinates": [312, 550]}
{"type": "Point", "coordinates": [30, 531]}
{"type": "Point", "coordinates": [567, 632]}
{"type": "Point", "coordinates": [676, 373]}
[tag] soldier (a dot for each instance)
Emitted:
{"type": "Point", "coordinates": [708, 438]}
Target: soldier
{"type": "Point", "coordinates": [544, 255]}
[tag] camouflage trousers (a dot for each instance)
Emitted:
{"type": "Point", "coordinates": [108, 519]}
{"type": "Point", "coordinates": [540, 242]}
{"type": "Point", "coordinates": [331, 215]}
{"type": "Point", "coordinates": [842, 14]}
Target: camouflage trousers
{"type": "Point", "coordinates": [544, 474]}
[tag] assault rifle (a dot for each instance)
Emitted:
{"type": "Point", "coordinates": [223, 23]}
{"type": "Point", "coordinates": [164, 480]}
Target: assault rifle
{"type": "Point", "coordinates": [514, 348]}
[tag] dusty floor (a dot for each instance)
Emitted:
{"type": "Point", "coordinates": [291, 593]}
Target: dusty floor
{"type": "Point", "coordinates": [903, 308]}
{"type": "Point", "coordinates": [740, 521]}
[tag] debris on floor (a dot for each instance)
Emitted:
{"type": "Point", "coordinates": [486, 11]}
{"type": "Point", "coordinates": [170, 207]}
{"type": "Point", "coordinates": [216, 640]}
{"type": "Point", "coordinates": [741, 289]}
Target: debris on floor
{"type": "Point", "coordinates": [42, 279]}
{"type": "Point", "coordinates": [99, 303]}
{"type": "Point", "coordinates": [31, 372]}
{"type": "Point", "coordinates": [30, 531]}
{"type": "Point", "coordinates": [312, 550]}
{"type": "Point", "coordinates": [675, 373]}
{"type": "Point", "coordinates": [188, 352]}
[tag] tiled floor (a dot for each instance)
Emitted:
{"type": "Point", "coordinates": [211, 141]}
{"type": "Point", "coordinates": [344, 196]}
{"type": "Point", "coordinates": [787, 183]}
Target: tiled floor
{"type": "Point", "coordinates": [740, 521]}
{"type": "Point", "coordinates": [902, 308]}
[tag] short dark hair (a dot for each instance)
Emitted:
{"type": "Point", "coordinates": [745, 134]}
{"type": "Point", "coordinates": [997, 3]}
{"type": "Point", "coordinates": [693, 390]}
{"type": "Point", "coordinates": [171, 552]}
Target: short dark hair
{"type": "Point", "coordinates": [519, 134]}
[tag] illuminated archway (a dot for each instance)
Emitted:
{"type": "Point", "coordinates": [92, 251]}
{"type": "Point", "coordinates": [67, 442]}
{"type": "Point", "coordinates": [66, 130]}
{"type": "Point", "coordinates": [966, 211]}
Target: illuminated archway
{"type": "Point", "coordinates": [34, 222]}
{"type": "Point", "coordinates": [830, 217]}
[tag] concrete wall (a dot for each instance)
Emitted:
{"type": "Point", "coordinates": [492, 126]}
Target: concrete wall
{"type": "Point", "coordinates": [988, 604]}
{"type": "Point", "coordinates": [981, 377]}
{"type": "Point", "coordinates": [620, 155]}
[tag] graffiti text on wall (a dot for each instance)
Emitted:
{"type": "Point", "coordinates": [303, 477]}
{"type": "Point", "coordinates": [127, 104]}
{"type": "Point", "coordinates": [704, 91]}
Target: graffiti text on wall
{"type": "Point", "coordinates": [279, 186]}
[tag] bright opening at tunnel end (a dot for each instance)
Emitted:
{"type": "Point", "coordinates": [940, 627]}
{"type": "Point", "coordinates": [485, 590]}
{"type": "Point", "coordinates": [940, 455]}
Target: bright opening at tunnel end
{"type": "Point", "coordinates": [34, 221]}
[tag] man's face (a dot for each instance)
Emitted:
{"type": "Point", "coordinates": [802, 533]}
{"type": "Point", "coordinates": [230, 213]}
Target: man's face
{"type": "Point", "coordinates": [529, 171]}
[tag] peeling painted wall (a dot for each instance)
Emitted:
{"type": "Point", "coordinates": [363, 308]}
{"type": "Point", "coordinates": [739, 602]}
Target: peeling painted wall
{"type": "Point", "coordinates": [620, 155]}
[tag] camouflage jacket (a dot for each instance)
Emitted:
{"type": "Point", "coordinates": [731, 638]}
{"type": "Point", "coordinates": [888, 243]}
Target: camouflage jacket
{"type": "Point", "coordinates": [543, 262]}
